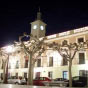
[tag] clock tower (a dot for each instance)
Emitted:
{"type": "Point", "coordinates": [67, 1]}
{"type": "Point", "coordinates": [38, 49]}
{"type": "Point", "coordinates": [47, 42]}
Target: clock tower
{"type": "Point", "coordinates": [38, 27]}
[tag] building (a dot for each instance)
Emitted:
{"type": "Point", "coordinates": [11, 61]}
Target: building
{"type": "Point", "coordinates": [51, 64]}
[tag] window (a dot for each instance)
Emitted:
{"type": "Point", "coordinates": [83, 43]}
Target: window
{"type": "Point", "coordinates": [50, 61]}
{"type": "Point", "coordinates": [39, 63]}
{"type": "Point", "coordinates": [17, 64]}
{"type": "Point", "coordinates": [25, 75]}
{"type": "Point", "coordinates": [37, 74]}
{"type": "Point", "coordinates": [50, 74]}
{"type": "Point", "coordinates": [65, 62]}
{"type": "Point", "coordinates": [26, 63]}
{"type": "Point", "coordinates": [2, 64]}
{"type": "Point", "coordinates": [1, 76]}
{"type": "Point", "coordinates": [65, 74]}
{"type": "Point", "coordinates": [81, 58]}
{"type": "Point", "coordinates": [9, 74]}
{"type": "Point", "coordinates": [80, 40]}
{"type": "Point", "coordinates": [83, 73]}
{"type": "Point", "coordinates": [16, 75]}
{"type": "Point", "coordinates": [9, 65]}
{"type": "Point", "coordinates": [65, 42]}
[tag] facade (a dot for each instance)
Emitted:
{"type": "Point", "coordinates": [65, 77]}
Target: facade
{"type": "Point", "coordinates": [51, 64]}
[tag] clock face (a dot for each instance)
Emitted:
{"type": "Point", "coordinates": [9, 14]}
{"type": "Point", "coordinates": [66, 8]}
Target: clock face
{"type": "Point", "coordinates": [35, 27]}
{"type": "Point", "coordinates": [42, 27]}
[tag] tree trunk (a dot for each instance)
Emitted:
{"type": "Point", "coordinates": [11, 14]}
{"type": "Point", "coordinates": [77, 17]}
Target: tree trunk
{"type": "Point", "coordinates": [70, 73]}
{"type": "Point", "coordinates": [30, 72]}
{"type": "Point", "coordinates": [6, 71]}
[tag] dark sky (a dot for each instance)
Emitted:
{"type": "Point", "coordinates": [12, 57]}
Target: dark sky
{"type": "Point", "coordinates": [60, 16]}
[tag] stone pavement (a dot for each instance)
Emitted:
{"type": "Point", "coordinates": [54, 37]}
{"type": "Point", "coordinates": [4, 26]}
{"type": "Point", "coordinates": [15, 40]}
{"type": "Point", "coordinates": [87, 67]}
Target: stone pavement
{"type": "Point", "coordinates": [27, 86]}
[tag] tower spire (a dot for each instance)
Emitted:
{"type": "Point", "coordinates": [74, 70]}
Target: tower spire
{"type": "Point", "coordinates": [39, 15]}
{"type": "Point", "coordinates": [39, 9]}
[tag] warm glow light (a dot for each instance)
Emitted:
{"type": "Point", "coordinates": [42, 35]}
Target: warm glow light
{"type": "Point", "coordinates": [35, 26]}
{"type": "Point", "coordinates": [9, 49]}
{"type": "Point", "coordinates": [41, 27]}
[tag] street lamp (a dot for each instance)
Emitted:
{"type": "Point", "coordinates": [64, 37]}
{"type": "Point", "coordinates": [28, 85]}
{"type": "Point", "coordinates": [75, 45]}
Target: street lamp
{"type": "Point", "coordinates": [9, 49]}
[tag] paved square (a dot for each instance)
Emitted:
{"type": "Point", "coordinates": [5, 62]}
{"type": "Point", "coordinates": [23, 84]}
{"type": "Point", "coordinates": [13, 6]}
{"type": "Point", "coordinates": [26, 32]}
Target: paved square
{"type": "Point", "coordinates": [27, 86]}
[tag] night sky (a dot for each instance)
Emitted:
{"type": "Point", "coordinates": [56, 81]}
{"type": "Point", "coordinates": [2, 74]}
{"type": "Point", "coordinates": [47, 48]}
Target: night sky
{"type": "Point", "coordinates": [60, 16]}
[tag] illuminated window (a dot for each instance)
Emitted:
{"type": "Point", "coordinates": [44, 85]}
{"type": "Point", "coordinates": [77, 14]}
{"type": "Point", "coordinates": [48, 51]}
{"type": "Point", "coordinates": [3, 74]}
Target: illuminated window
{"type": "Point", "coordinates": [25, 75]}
{"type": "Point", "coordinates": [65, 74]}
{"type": "Point", "coordinates": [17, 64]}
{"type": "Point", "coordinates": [65, 62]}
{"type": "Point", "coordinates": [81, 58]}
{"type": "Point", "coordinates": [50, 74]}
{"type": "Point", "coordinates": [39, 63]}
{"type": "Point", "coordinates": [35, 27]}
{"type": "Point", "coordinates": [26, 63]}
{"type": "Point", "coordinates": [50, 61]}
{"type": "Point", "coordinates": [16, 75]}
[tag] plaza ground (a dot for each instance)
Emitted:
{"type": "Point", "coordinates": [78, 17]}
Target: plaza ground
{"type": "Point", "coordinates": [27, 86]}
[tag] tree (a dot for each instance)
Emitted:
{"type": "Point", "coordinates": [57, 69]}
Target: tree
{"type": "Point", "coordinates": [68, 52]}
{"type": "Point", "coordinates": [5, 60]}
{"type": "Point", "coordinates": [33, 48]}
{"type": "Point", "coordinates": [4, 53]}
